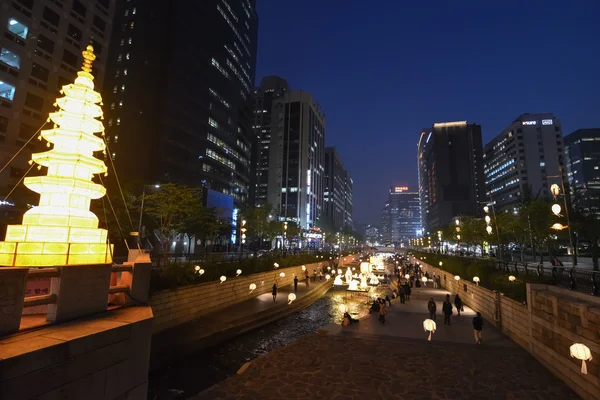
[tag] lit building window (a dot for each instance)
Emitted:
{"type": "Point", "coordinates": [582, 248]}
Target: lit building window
{"type": "Point", "coordinates": [542, 164]}
{"type": "Point", "coordinates": [118, 121]}
{"type": "Point", "coordinates": [125, 72]}
{"type": "Point", "coordinates": [115, 89]}
{"type": "Point", "coordinates": [127, 56]}
{"type": "Point", "coordinates": [10, 58]}
{"type": "Point", "coordinates": [17, 28]}
{"type": "Point", "coordinates": [129, 41]}
{"type": "Point", "coordinates": [134, 10]}
{"type": "Point", "coordinates": [121, 103]}
{"type": "Point", "coordinates": [7, 91]}
{"type": "Point", "coordinates": [122, 88]}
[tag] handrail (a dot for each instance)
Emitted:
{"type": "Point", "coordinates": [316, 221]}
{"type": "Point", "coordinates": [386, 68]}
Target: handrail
{"type": "Point", "coordinates": [43, 273]}
{"type": "Point", "coordinates": [39, 300]}
{"type": "Point", "coordinates": [122, 268]}
{"type": "Point", "coordinates": [118, 289]}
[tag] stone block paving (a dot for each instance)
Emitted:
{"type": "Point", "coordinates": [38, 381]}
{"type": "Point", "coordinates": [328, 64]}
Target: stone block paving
{"type": "Point", "coordinates": [324, 366]}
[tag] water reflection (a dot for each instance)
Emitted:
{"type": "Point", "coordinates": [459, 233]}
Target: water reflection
{"type": "Point", "coordinates": [201, 370]}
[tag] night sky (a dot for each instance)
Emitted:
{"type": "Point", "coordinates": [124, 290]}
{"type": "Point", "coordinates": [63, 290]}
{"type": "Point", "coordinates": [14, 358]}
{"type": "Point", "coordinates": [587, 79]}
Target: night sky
{"type": "Point", "coordinates": [384, 72]}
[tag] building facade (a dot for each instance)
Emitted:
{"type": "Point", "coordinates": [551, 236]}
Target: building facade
{"type": "Point", "coordinates": [40, 52]}
{"type": "Point", "coordinates": [337, 194]}
{"type": "Point", "coordinates": [404, 220]}
{"type": "Point", "coordinates": [385, 235]}
{"type": "Point", "coordinates": [450, 173]}
{"type": "Point", "coordinates": [181, 93]}
{"type": "Point", "coordinates": [529, 152]}
{"type": "Point", "coordinates": [296, 159]}
{"type": "Point", "coordinates": [372, 236]}
{"type": "Point", "coordinates": [271, 87]}
{"type": "Point", "coordinates": [582, 150]}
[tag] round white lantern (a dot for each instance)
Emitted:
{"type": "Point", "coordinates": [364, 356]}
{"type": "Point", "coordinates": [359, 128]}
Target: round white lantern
{"type": "Point", "coordinates": [407, 276]}
{"type": "Point", "coordinates": [424, 279]}
{"type": "Point", "coordinates": [304, 268]}
{"type": "Point", "coordinates": [282, 275]}
{"type": "Point", "coordinates": [488, 229]}
{"type": "Point", "coordinates": [340, 271]}
{"type": "Point", "coordinates": [197, 268]}
{"type": "Point", "coordinates": [223, 278]}
{"type": "Point", "coordinates": [276, 265]}
{"type": "Point", "coordinates": [441, 263]}
{"type": "Point", "coordinates": [238, 272]}
{"type": "Point", "coordinates": [476, 280]}
{"type": "Point", "coordinates": [556, 209]}
{"type": "Point", "coordinates": [583, 353]}
{"type": "Point", "coordinates": [291, 297]}
{"type": "Point", "coordinates": [487, 219]}
{"type": "Point", "coordinates": [338, 281]}
{"type": "Point", "coordinates": [327, 277]}
{"type": "Point", "coordinates": [456, 278]}
{"type": "Point", "coordinates": [429, 326]}
{"type": "Point", "coordinates": [252, 287]}
{"type": "Point", "coordinates": [512, 278]}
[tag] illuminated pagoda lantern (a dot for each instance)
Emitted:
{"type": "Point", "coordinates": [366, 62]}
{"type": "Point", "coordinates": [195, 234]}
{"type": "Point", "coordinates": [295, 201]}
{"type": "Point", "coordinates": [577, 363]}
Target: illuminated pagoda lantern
{"type": "Point", "coordinates": [62, 230]}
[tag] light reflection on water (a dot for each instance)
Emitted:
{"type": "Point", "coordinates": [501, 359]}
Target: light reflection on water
{"type": "Point", "coordinates": [208, 367]}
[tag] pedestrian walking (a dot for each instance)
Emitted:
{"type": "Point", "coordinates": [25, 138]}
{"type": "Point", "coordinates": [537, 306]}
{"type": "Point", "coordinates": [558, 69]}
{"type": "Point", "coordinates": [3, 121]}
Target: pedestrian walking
{"type": "Point", "coordinates": [389, 301]}
{"type": "Point", "coordinates": [408, 291]}
{"type": "Point", "coordinates": [295, 283]}
{"type": "Point", "coordinates": [307, 276]}
{"type": "Point", "coordinates": [447, 310]}
{"type": "Point", "coordinates": [435, 283]}
{"type": "Point", "coordinates": [432, 308]}
{"type": "Point", "coordinates": [320, 275]}
{"type": "Point", "coordinates": [274, 291]}
{"type": "Point", "coordinates": [402, 293]}
{"type": "Point", "coordinates": [458, 303]}
{"type": "Point", "coordinates": [314, 275]}
{"type": "Point", "coordinates": [477, 327]}
{"type": "Point", "coordinates": [382, 313]}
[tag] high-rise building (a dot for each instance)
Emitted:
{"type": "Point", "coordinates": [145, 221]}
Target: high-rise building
{"type": "Point", "coordinates": [582, 150]}
{"type": "Point", "coordinates": [404, 219]}
{"type": "Point", "coordinates": [271, 87]}
{"type": "Point", "coordinates": [180, 92]}
{"type": "Point", "coordinates": [40, 52]}
{"type": "Point", "coordinates": [296, 158]}
{"type": "Point", "coordinates": [372, 235]}
{"type": "Point", "coordinates": [385, 225]}
{"type": "Point", "coordinates": [450, 169]}
{"type": "Point", "coordinates": [529, 152]}
{"type": "Point", "coordinates": [337, 194]}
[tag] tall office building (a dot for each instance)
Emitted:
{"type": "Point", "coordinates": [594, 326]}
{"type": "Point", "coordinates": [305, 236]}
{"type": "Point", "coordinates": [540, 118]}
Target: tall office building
{"type": "Point", "coordinates": [450, 169]}
{"type": "Point", "coordinates": [385, 232]}
{"type": "Point", "coordinates": [337, 194]}
{"type": "Point", "coordinates": [297, 155]}
{"type": "Point", "coordinates": [180, 92]}
{"type": "Point", "coordinates": [271, 87]}
{"type": "Point", "coordinates": [372, 235]}
{"type": "Point", "coordinates": [582, 150]}
{"type": "Point", "coordinates": [40, 52]}
{"type": "Point", "coordinates": [403, 221]}
{"type": "Point", "coordinates": [527, 153]}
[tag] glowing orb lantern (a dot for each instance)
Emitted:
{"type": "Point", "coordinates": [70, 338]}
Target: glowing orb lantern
{"type": "Point", "coordinates": [424, 279]}
{"type": "Point", "coordinates": [343, 308]}
{"type": "Point", "coordinates": [62, 230]}
{"type": "Point", "coordinates": [238, 272]}
{"type": "Point", "coordinates": [456, 278]}
{"type": "Point", "coordinates": [556, 209]}
{"type": "Point", "coordinates": [583, 353]}
{"type": "Point", "coordinates": [304, 268]}
{"type": "Point", "coordinates": [291, 297]}
{"type": "Point", "coordinates": [512, 278]}
{"type": "Point", "coordinates": [327, 277]}
{"type": "Point", "coordinates": [476, 280]}
{"type": "Point", "coordinates": [197, 268]}
{"type": "Point", "coordinates": [223, 278]}
{"type": "Point", "coordinates": [276, 265]}
{"type": "Point", "coordinates": [407, 276]}
{"type": "Point", "coordinates": [558, 226]}
{"type": "Point", "coordinates": [252, 287]}
{"type": "Point", "coordinates": [282, 275]}
{"type": "Point", "coordinates": [488, 229]}
{"type": "Point", "coordinates": [338, 281]}
{"type": "Point", "coordinates": [429, 326]}
{"type": "Point", "coordinates": [441, 263]}
{"type": "Point", "coordinates": [554, 189]}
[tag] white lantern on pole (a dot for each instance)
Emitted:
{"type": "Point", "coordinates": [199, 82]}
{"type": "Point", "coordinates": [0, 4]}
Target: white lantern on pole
{"type": "Point", "coordinates": [583, 353]}
{"type": "Point", "coordinates": [476, 280]}
{"type": "Point", "coordinates": [489, 229]}
{"type": "Point", "coordinates": [282, 275]}
{"type": "Point", "coordinates": [252, 287]}
{"type": "Point", "coordinates": [556, 209]}
{"type": "Point", "coordinates": [554, 189]}
{"type": "Point", "coordinates": [512, 278]}
{"type": "Point", "coordinates": [276, 265]}
{"type": "Point", "coordinates": [291, 297]}
{"type": "Point", "coordinates": [429, 326]}
{"type": "Point", "coordinates": [456, 278]}
{"type": "Point", "coordinates": [238, 272]}
{"type": "Point", "coordinates": [486, 209]}
{"type": "Point", "coordinates": [487, 219]}
{"type": "Point", "coordinates": [223, 278]}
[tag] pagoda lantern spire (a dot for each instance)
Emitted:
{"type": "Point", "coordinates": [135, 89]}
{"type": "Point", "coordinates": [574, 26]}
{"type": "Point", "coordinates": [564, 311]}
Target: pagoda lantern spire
{"type": "Point", "coordinates": [62, 230]}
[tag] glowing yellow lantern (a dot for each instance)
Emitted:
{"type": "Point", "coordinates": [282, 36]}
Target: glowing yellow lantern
{"type": "Point", "coordinates": [429, 326]}
{"type": "Point", "coordinates": [291, 297]}
{"type": "Point", "coordinates": [424, 279]}
{"type": "Point", "coordinates": [583, 353]}
{"type": "Point", "coordinates": [407, 276]}
{"type": "Point", "coordinates": [62, 230]}
{"type": "Point", "coordinates": [512, 278]}
{"type": "Point", "coordinates": [440, 263]}
{"type": "Point", "coordinates": [558, 226]}
{"type": "Point", "coordinates": [252, 287]}
{"type": "Point", "coordinates": [488, 229]}
{"type": "Point", "coordinates": [327, 277]}
{"type": "Point", "coordinates": [554, 189]}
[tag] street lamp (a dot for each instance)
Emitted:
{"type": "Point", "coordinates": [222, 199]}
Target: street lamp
{"type": "Point", "coordinates": [556, 209]}
{"type": "Point", "coordinates": [156, 186]}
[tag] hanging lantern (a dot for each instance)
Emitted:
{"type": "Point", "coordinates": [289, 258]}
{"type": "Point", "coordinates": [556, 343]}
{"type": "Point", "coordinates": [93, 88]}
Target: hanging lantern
{"type": "Point", "coordinates": [429, 326]}
{"type": "Point", "coordinates": [558, 226]}
{"type": "Point", "coordinates": [327, 277]}
{"type": "Point", "coordinates": [554, 189]}
{"type": "Point", "coordinates": [489, 229]}
{"type": "Point", "coordinates": [304, 268]}
{"type": "Point", "coordinates": [457, 222]}
{"type": "Point", "coordinates": [512, 278]}
{"type": "Point", "coordinates": [456, 278]}
{"type": "Point", "coordinates": [200, 271]}
{"type": "Point", "coordinates": [223, 278]}
{"type": "Point", "coordinates": [343, 308]}
{"type": "Point", "coordinates": [440, 263]}
{"type": "Point", "coordinates": [487, 219]}
{"type": "Point", "coordinates": [252, 287]}
{"type": "Point", "coordinates": [458, 229]}
{"type": "Point", "coordinates": [291, 297]}
{"type": "Point", "coordinates": [238, 272]}
{"type": "Point", "coordinates": [476, 280]}
{"type": "Point", "coordinates": [282, 275]}
{"type": "Point", "coordinates": [328, 269]}
{"type": "Point", "coordinates": [583, 353]}
{"type": "Point", "coordinates": [556, 209]}
{"type": "Point", "coordinates": [276, 265]}
{"type": "Point", "coordinates": [486, 209]}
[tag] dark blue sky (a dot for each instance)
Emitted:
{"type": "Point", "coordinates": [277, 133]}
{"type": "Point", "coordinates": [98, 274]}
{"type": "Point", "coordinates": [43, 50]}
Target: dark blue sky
{"type": "Point", "coordinates": [384, 69]}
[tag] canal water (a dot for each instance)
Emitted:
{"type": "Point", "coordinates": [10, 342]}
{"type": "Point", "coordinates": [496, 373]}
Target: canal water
{"type": "Point", "coordinates": [199, 371]}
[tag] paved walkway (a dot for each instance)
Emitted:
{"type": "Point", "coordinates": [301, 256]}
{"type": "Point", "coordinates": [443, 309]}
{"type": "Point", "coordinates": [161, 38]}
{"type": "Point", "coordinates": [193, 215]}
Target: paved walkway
{"type": "Point", "coordinates": [371, 361]}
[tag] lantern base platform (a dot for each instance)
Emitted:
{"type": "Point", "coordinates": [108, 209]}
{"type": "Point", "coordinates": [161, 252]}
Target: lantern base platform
{"type": "Point", "coordinates": [49, 254]}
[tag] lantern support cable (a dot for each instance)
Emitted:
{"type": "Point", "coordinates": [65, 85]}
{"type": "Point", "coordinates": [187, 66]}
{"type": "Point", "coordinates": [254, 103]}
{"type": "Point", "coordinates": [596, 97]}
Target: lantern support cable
{"type": "Point", "coordinates": [112, 164]}
{"type": "Point", "coordinates": [18, 183]}
{"type": "Point", "coordinates": [114, 214]}
{"type": "Point", "coordinates": [22, 147]}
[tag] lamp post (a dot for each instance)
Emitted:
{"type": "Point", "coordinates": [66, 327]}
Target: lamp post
{"type": "Point", "coordinates": [555, 190]}
{"type": "Point", "coordinates": [156, 186]}
{"type": "Point", "coordinates": [439, 233]}
{"type": "Point", "coordinates": [488, 228]}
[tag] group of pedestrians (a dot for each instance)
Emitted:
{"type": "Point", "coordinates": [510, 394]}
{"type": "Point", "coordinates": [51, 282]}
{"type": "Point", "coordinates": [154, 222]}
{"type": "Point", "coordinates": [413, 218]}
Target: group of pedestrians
{"type": "Point", "coordinates": [447, 311]}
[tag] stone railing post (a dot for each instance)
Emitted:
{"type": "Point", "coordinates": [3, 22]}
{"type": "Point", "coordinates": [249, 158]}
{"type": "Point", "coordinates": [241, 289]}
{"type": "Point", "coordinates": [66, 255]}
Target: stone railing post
{"type": "Point", "coordinates": [138, 280]}
{"type": "Point", "coordinates": [12, 294]}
